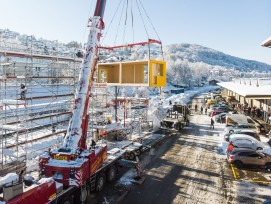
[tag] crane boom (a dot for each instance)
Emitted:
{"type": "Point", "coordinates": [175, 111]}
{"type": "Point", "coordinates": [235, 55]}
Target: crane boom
{"type": "Point", "coordinates": [77, 129]}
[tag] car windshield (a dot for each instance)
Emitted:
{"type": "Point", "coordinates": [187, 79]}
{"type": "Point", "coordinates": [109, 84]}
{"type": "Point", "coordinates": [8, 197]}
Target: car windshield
{"type": "Point", "coordinates": [245, 133]}
{"type": "Point", "coordinates": [233, 152]}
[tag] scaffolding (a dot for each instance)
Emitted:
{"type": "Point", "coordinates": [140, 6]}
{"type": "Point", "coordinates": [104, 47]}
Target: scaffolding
{"type": "Point", "coordinates": [36, 93]}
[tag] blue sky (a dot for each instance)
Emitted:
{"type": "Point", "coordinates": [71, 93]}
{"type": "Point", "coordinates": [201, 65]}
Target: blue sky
{"type": "Point", "coordinates": [235, 27]}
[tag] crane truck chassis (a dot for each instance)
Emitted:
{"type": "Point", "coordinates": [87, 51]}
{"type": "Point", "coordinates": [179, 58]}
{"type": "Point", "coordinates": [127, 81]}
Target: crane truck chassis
{"type": "Point", "coordinates": [49, 190]}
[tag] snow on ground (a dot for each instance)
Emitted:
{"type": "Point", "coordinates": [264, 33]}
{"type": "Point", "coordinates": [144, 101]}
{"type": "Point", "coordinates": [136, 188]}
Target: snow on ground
{"type": "Point", "coordinates": [157, 111]}
{"type": "Point", "coordinates": [247, 190]}
{"type": "Point", "coordinates": [158, 105]}
{"type": "Point", "coordinates": [9, 178]}
{"type": "Point", "coordinates": [128, 177]}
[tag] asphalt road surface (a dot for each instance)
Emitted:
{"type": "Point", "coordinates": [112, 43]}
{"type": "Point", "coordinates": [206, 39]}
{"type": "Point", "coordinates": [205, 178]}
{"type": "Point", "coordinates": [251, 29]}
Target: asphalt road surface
{"type": "Point", "coordinates": [190, 168]}
{"type": "Point", "coordinates": [187, 167]}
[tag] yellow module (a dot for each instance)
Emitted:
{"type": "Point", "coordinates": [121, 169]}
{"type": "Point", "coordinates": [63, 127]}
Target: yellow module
{"type": "Point", "coordinates": [135, 73]}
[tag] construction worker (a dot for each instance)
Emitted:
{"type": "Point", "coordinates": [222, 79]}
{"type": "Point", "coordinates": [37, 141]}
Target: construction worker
{"type": "Point", "coordinates": [101, 133]}
{"type": "Point", "coordinates": [196, 108]}
{"type": "Point", "coordinates": [23, 91]}
{"type": "Point", "coordinates": [93, 144]}
{"type": "Point", "coordinates": [53, 129]}
{"type": "Point", "coordinates": [212, 123]}
{"type": "Point", "coordinates": [21, 176]}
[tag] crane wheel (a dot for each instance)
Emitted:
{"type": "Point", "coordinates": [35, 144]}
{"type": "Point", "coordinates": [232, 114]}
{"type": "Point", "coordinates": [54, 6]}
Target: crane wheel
{"type": "Point", "coordinates": [176, 127]}
{"type": "Point", "coordinates": [112, 173]}
{"type": "Point", "coordinates": [67, 200]}
{"type": "Point", "coordinates": [100, 182]}
{"type": "Point", "coordinates": [131, 155]}
{"type": "Point", "coordinates": [137, 152]}
{"type": "Point", "coordinates": [141, 149]}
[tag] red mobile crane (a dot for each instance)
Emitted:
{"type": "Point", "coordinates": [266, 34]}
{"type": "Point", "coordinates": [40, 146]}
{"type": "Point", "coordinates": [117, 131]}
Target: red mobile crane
{"type": "Point", "coordinates": [70, 171]}
{"type": "Point", "coordinates": [73, 164]}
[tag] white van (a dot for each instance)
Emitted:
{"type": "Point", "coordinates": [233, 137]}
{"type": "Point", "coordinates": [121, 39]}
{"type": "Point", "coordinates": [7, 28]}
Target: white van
{"type": "Point", "coordinates": [234, 119]}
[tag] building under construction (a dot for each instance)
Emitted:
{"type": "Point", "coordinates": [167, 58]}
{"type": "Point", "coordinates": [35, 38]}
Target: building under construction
{"type": "Point", "coordinates": [36, 92]}
{"type": "Point", "coordinates": [37, 86]}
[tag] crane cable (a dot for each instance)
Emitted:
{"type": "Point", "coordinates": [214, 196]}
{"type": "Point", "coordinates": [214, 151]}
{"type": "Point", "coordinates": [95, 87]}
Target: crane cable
{"type": "Point", "coordinates": [111, 22]}
{"type": "Point", "coordinates": [152, 27]}
{"type": "Point", "coordinates": [125, 22]}
{"type": "Point", "coordinates": [132, 19]}
{"type": "Point", "coordinates": [149, 49]}
{"type": "Point", "coordinates": [125, 4]}
{"type": "Point", "coordinates": [119, 23]}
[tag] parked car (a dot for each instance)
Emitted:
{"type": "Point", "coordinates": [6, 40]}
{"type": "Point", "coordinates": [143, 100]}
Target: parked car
{"type": "Point", "coordinates": [210, 102]}
{"type": "Point", "coordinates": [214, 106]}
{"type": "Point", "coordinates": [244, 156]}
{"type": "Point", "coordinates": [246, 141]}
{"type": "Point", "coordinates": [242, 132]}
{"type": "Point", "coordinates": [220, 118]}
{"type": "Point", "coordinates": [238, 127]}
{"type": "Point", "coordinates": [215, 112]}
{"type": "Point", "coordinates": [222, 108]}
{"type": "Point", "coordinates": [227, 136]}
{"type": "Point", "coordinates": [251, 133]}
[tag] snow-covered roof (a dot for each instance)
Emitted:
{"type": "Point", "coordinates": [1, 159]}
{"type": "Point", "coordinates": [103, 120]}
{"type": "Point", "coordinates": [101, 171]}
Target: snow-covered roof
{"type": "Point", "coordinates": [248, 91]}
{"type": "Point", "coordinates": [169, 87]}
{"type": "Point", "coordinates": [267, 42]}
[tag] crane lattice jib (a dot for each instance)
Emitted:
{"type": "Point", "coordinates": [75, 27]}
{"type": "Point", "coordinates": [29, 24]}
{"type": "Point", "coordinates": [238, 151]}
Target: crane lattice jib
{"type": "Point", "coordinates": [77, 129]}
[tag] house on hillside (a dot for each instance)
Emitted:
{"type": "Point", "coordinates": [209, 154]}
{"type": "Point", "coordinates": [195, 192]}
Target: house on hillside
{"type": "Point", "coordinates": [169, 89]}
{"type": "Point", "coordinates": [183, 86]}
{"type": "Point", "coordinates": [214, 82]}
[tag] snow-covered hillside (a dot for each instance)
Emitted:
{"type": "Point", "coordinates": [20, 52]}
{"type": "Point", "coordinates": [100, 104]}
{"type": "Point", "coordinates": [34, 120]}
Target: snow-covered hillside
{"type": "Point", "coordinates": [188, 64]}
{"type": "Point", "coordinates": [196, 53]}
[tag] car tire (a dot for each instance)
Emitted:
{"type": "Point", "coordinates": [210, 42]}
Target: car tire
{"type": "Point", "coordinates": [231, 131]}
{"type": "Point", "coordinates": [238, 164]}
{"type": "Point", "coordinates": [259, 148]}
{"type": "Point", "coordinates": [268, 166]}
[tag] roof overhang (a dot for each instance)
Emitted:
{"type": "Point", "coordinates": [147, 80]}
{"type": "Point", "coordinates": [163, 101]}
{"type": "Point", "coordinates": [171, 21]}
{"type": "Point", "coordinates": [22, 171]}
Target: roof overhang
{"type": "Point", "coordinates": [250, 92]}
{"type": "Point", "coordinates": [258, 97]}
{"type": "Point", "coordinates": [266, 43]}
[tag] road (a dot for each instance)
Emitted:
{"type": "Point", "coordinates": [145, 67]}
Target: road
{"type": "Point", "coordinates": [189, 167]}
{"type": "Point", "coordinates": [185, 169]}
